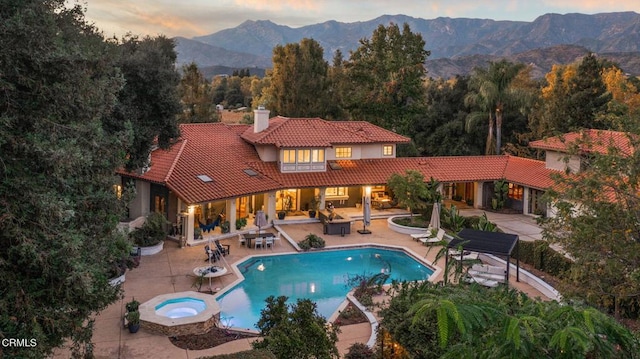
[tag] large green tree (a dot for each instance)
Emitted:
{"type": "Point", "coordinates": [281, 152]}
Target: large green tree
{"type": "Point", "coordinates": [148, 104]}
{"type": "Point", "coordinates": [385, 75]}
{"type": "Point", "coordinates": [58, 210]}
{"type": "Point", "coordinates": [574, 96]}
{"type": "Point", "coordinates": [588, 95]}
{"type": "Point", "coordinates": [196, 96]}
{"type": "Point", "coordinates": [296, 331]}
{"type": "Point", "coordinates": [298, 82]}
{"type": "Point", "coordinates": [470, 321]}
{"type": "Point", "coordinates": [491, 94]}
{"type": "Point", "coordinates": [441, 129]}
{"type": "Point", "coordinates": [410, 190]}
{"type": "Point", "coordinates": [597, 222]}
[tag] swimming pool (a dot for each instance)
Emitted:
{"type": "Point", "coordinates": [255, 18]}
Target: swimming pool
{"type": "Point", "coordinates": [320, 276]}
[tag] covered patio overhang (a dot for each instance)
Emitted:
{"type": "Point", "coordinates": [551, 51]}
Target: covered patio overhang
{"type": "Point", "coordinates": [495, 243]}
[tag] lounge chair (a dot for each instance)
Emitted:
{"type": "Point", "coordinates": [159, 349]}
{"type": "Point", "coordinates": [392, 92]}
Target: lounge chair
{"type": "Point", "coordinates": [433, 240]}
{"type": "Point", "coordinates": [489, 276]}
{"type": "Point", "coordinates": [427, 233]}
{"type": "Point", "coordinates": [463, 256]}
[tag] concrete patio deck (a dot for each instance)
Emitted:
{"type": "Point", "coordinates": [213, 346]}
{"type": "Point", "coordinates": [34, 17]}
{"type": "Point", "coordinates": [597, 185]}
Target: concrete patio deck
{"type": "Point", "coordinates": [172, 271]}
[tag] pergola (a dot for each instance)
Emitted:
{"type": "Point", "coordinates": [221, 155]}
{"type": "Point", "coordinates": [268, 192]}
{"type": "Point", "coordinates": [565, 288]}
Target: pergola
{"type": "Point", "coordinates": [499, 244]}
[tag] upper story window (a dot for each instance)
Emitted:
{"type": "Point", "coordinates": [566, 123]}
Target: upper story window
{"type": "Point", "coordinates": [289, 156]}
{"type": "Point", "coordinates": [387, 150]}
{"type": "Point", "coordinates": [317, 155]}
{"type": "Point", "coordinates": [304, 156]}
{"type": "Point", "coordinates": [343, 152]}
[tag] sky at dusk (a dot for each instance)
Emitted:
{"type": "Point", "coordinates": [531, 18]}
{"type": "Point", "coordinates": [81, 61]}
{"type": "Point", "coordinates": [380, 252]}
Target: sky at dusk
{"type": "Point", "coordinates": [189, 18]}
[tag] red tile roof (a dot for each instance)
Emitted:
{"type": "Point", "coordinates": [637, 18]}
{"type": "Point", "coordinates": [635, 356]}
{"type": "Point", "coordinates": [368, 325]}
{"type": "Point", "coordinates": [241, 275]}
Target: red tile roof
{"type": "Point", "coordinates": [316, 132]}
{"type": "Point", "coordinates": [528, 172]}
{"type": "Point", "coordinates": [162, 163]}
{"type": "Point", "coordinates": [218, 151]}
{"type": "Point", "coordinates": [590, 141]}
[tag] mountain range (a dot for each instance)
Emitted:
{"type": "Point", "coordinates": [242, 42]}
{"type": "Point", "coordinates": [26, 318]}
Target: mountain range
{"type": "Point", "coordinates": [457, 45]}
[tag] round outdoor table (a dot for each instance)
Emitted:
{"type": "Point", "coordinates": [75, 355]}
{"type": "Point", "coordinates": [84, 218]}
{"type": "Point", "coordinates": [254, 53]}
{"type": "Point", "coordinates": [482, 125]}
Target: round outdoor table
{"type": "Point", "coordinates": [208, 273]}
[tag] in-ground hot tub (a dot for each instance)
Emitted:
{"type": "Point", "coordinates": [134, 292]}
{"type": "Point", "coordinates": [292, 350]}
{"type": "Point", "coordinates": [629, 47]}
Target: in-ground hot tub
{"type": "Point", "coordinates": [180, 313]}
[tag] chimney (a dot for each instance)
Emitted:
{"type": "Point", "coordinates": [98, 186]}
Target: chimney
{"type": "Point", "coordinates": [260, 119]}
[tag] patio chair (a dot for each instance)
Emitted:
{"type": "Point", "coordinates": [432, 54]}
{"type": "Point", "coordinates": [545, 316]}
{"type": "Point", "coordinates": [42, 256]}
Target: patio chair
{"type": "Point", "coordinates": [278, 238]}
{"type": "Point", "coordinates": [241, 240]}
{"type": "Point", "coordinates": [223, 250]}
{"type": "Point", "coordinates": [259, 241]}
{"type": "Point", "coordinates": [268, 242]}
{"type": "Point", "coordinates": [211, 254]}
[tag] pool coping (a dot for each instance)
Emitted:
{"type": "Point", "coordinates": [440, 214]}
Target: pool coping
{"type": "Point", "coordinates": [437, 271]}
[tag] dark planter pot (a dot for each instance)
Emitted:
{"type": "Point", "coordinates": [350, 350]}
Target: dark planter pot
{"type": "Point", "coordinates": [312, 214]}
{"type": "Point", "coordinates": [133, 328]}
{"type": "Point", "coordinates": [281, 215]}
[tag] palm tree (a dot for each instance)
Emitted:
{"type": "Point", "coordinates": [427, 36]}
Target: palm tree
{"type": "Point", "coordinates": [491, 92]}
{"type": "Point", "coordinates": [469, 321]}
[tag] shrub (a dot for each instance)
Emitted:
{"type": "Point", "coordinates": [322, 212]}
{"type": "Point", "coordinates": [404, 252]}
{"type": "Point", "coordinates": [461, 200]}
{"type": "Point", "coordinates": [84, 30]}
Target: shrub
{"type": "Point", "coordinates": [359, 351]}
{"type": "Point", "coordinates": [420, 222]}
{"type": "Point", "coordinates": [247, 354]}
{"type": "Point", "coordinates": [367, 286]}
{"type": "Point", "coordinates": [542, 257]}
{"type": "Point", "coordinates": [152, 232]}
{"type": "Point", "coordinates": [311, 241]}
{"type": "Point", "coordinates": [500, 190]}
{"type": "Point", "coordinates": [452, 219]}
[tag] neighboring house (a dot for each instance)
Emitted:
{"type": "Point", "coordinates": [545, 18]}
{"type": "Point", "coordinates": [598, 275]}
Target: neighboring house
{"type": "Point", "coordinates": [567, 152]}
{"type": "Point", "coordinates": [283, 163]}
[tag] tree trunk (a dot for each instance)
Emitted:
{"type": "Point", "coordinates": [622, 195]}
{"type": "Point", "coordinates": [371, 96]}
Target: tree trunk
{"type": "Point", "coordinates": [498, 130]}
{"type": "Point", "coordinates": [489, 145]}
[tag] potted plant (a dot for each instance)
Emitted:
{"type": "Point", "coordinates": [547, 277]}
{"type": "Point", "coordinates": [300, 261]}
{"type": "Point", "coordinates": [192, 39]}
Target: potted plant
{"type": "Point", "coordinates": [132, 315]}
{"type": "Point", "coordinates": [197, 233]}
{"type": "Point", "coordinates": [133, 321]}
{"type": "Point", "coordinates": [281, 214]}
{"type": "Point", "coordinates": [313, 207]}
{"type": "Point", "coordinates": [241, 222]}
{"type": "Point", "coordinates": [225, 227]}
{"type": "Point", "coordinates": [132, 306]}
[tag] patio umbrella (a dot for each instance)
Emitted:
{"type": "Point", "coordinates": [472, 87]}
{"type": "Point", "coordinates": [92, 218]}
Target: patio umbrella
{"type": "Point", "coordinates": [260, 220]}
{"type": "Point", "coordinates": [366, 215]}
{"type": "Point", "coordinates": [435, 216]}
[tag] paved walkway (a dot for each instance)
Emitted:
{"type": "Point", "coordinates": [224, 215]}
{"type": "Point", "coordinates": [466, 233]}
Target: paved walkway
{"type": "Point", "coordinates": [171, 271]}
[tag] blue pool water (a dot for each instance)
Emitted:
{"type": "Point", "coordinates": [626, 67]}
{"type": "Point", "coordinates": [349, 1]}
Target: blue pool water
{"type": "Point", "coordinates": [320, 276]}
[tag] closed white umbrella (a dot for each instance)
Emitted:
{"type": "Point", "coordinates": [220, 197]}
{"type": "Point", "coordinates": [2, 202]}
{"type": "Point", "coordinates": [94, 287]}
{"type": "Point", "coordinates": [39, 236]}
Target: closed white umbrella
{"type": "Point", "coordinates": [260, 220]}
{"type": "Point", "coordinates": [435, 216]}
{"type": "Point", "coordinates": [366, 214]}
